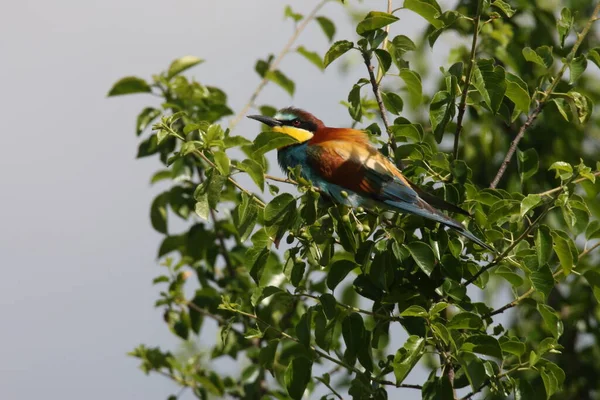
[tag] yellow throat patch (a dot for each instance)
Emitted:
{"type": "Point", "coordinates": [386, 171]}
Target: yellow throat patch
{"type": "Point", "coordinates": [301, 135]}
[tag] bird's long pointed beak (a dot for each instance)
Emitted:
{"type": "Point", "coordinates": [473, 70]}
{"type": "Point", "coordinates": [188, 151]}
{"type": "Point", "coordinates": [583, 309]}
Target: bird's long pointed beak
{"type": "Point", "coordinates": [265, 120]}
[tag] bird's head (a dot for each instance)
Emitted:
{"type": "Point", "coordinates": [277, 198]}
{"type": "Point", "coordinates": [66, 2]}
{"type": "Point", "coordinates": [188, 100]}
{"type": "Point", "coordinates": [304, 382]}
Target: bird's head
{"type": "Point", "coordinates": [299, 124]}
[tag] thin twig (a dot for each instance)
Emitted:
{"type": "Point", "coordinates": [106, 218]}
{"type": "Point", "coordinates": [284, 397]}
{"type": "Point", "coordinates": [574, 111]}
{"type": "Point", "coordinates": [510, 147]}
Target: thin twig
{"type": "Point", "coordinates": [463, 100]}
{"type": "Point", "coordinates": [556, 189]}
{"type": "Point", "coordinates": [529, 292]}
{"type": "Point", "coordinates": [544, 99]}
{"type": "Point", "coordinates": [276, 63]}
{"type": "Point", "coordinates": [283, 180]}
{"type": "Point", "coordinates": [377, 92]}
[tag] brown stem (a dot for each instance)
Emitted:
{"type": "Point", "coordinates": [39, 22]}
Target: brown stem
{"type": "Point", "coordinates": [463, 100]}
{"type": "Point", "coordinates": [276, 63]}
{"type": "Point", "coordinates": [545, 96]}
{"type": "Point", "coordinates": [382, 110]}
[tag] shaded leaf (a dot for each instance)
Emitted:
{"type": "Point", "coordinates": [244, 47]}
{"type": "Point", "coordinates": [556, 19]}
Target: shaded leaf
{"type": "Point", "coordinates": [297, 376]}
{"type": "Point", "coordinates": [311, 56]}
{"type": "Point", "coordinates": [423, 256]}
{"type": "Point", "coordinates": [338, 271]}
{"type": "Point", "coordinates": [551, 320]}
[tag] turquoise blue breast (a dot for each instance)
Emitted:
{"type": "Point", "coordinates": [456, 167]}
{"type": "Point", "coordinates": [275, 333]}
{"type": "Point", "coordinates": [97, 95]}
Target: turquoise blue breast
{"type": "Point", "coordinates": [292, 156]}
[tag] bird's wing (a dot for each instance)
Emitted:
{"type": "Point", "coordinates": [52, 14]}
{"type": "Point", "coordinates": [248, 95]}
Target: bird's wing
{"type": "Point", "coordinates": [361, 169]}
{"type": "Point", "coordinates": [367, 172]}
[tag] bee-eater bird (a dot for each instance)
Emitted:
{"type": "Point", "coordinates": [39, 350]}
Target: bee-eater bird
{"type": "Point", "coordinates": [341, 163]}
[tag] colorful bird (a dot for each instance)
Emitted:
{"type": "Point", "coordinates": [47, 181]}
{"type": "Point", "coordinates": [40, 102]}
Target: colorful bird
{"type": "Point", "coordinates": [341, 163]}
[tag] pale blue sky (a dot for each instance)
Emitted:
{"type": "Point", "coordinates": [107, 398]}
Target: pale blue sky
{"type": "Point", "coordinates": [78, 251]}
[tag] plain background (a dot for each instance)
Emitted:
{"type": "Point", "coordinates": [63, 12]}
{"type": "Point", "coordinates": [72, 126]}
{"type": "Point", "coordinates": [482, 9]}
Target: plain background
{"type": "Point", "coordinates": [78, 251]}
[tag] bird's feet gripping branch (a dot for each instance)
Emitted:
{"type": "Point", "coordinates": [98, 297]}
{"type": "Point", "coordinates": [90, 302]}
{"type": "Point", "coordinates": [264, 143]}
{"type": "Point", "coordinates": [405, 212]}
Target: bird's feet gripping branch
{"type": "Point", "coordinates": [342, 164]}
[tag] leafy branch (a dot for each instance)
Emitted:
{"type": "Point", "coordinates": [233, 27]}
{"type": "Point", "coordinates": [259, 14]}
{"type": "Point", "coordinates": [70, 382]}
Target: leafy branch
{"type": "Point", "coordinates": [322, 354]}
{"type": "Point", "coordinates": [529, 292]}
{"type": "Point", "coordinates": [545, 97]}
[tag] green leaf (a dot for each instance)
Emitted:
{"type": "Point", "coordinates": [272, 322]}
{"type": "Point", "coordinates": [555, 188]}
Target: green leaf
{"type": "Point", "coordinates": [428, 9]}
{"type": "Point", "coordinates": [373, 21]}
{"type": "Point", "coordinates": [441, 112]}
{"type": "Point", "coordinates": [338, 271]}
{"type": "Point", "coordinates": [518, 92]}
{"type": "Point", "coordinates": [392, 102]}
{"type": "Point", "coordinates": [415, 311]}
{"type": "Point", "coordinates": [563, 251]}
{"type": "Point", "coordinates": [529, 203]}
{"type": "Point", "coordinates": [303, 328]}
{"type": "Point", "coordinates": [202, 208]}
{"type": "Point", "coordinates": [423, 256]}
{"type": "Point", "coordinates": [483, 344]}
{"type": "Point", "coordinates": [222, 162]}
{"type": "Point", "coordinates": [329, 305]}
{"type": "Point", "coordinates": [413, 84]}
{"type": "Point", "coordinates": [311, 56]}
{"type": "Point", "coordinates": [553, 377]}
{"type": "Point", "coordinates": [277, 208]}
{"type": "Point", "coordinates": [357, 341]}
{"type": "Point", "coordinates": [583, 104]}
{"type": "Point", "coordinates": [336, 50]}
{"type": "Point", "coordinates": [465, 320]}
{"type": "Point", "coordinates": [504, 7]}
{"type": "Point", "coordinates": [512, 278]}
{"type": "Point", "coordinates": [577, 68]}
{"type": "Point", "coordinates": [323, 331]}
{"type": "Point", "coordinates": [297, 376]}
{"type": "Point", "coordinates": [490, 82]}
{"type": "Point", "coordinates": [407, 357]}
{"type": "Point", "coordinates": [158, 213]}
{"type": "Point", "coordinates": [266, 356]}
{"type": "Point", "coordinates": [255, 170]}
{"type": "Point", "coordinates": [403, 44]}
{"type": "Point", "coordinates": [512, 346]}
{"type": "Point", "coordinates": [270, 140]}
{"type": "Point", "coordinates": [384, 58]}
{"type": "Point", "coordinates": [564, 25]}
{"type": "Point", "coordinates": [594, 55]}
{"type": "Point", "coordinates": [280, 79]}
{"type": "Point", "coordinates": [593, 278]}
{"type": "Point", "coordinates": [145, 118]}
{"type": "Point", "coordinates": [473, 368]}
{"type": "Point", "coordinates": [563, 170]}
{"type": "Point", "coordinates": [551, 320]}
{"type": "Point", "coordinates": [182, 64]}
{"type": "Point", "coordinates": [129, 85]}
{"type": "Point", "coordinates": [327, 26]}
{"type": "Point", "coordinates": [593, 230]}
{"type": "Point", "coordinates": [542, 280]}
{"type": "Point", "coordinates": [562, 107]}
{"type": "Point", "coordinates": [543, 244]}
{"type": "Point", "coordinates": [541, 56]}
{"type": "Point", "coordinates": [289, 13]}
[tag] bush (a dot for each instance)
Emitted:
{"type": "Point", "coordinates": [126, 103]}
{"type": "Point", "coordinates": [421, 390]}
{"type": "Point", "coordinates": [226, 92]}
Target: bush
{"type": "Point", "coordinates": [330, 295]}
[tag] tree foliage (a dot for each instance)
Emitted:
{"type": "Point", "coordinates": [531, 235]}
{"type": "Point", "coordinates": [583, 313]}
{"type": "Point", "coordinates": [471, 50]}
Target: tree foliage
{"type": "Point", "coordinates": [317, 309]}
